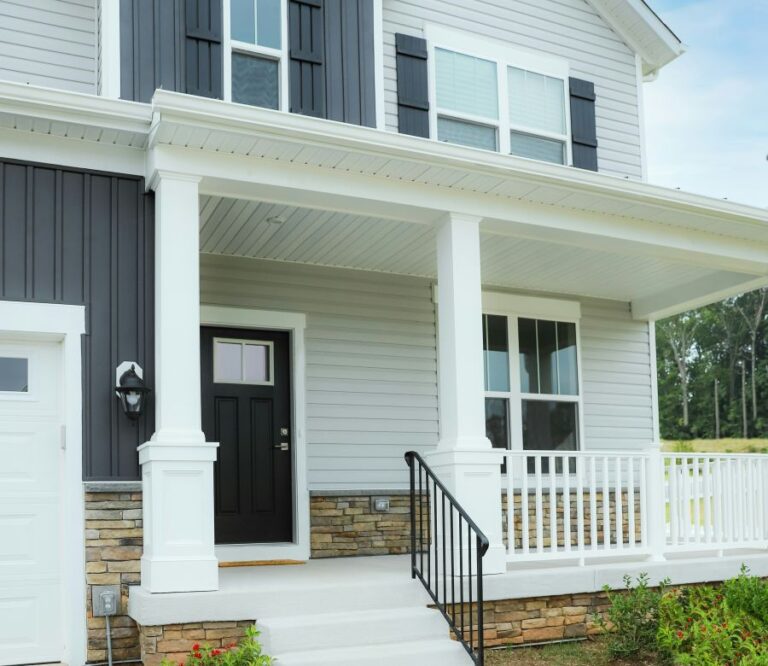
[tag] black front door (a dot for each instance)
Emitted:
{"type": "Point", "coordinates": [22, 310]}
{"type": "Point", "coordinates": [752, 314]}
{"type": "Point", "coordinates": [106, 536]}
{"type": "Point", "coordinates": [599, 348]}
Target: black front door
{"type": "Point", "coordinates": [246, 389]}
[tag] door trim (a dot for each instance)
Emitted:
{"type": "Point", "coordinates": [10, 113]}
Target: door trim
{"type": "Point", "coordinates": [295, 324]}
{"type": "Point", "coordinates": [31, 322]}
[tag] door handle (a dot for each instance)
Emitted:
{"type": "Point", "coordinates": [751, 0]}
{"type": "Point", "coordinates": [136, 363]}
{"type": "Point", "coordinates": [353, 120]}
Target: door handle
{"type": "Point", "coordinates": [283, 446]}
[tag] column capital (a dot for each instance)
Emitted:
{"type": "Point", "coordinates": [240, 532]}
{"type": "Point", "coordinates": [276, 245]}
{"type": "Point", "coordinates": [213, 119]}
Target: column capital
{"type": "Point", "coordinates": [451, 216]}
{"type": "Point", "coordinates": [160, 175]}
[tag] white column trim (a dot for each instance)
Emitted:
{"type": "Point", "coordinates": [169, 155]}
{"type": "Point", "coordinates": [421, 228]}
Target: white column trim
{"type": "Point", "coordinates": [294, 323]}
{"type": "Point", "coordinates": [110, 48]}
{"type": "Point", "coordinates": [65, 323]}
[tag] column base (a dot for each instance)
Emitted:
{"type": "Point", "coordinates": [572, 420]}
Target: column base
{"type": "Point", "coordinates": [179, 574]}
{"type": "Point", "coordinates": [177, 481]}
{"type": "Point", "coordinates": [473, 475]}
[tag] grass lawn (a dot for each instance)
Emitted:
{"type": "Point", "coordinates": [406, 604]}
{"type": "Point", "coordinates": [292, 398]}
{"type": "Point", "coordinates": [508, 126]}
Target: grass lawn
{"type": "Point", "coordinates": [581, 653]}
{"type": "Point", "coordinates": [720, 445]}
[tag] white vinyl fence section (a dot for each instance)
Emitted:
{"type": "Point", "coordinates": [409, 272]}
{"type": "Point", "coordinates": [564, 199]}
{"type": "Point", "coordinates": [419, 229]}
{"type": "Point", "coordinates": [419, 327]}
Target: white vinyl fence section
{"type": "Point", "coordinates": [585, 505]}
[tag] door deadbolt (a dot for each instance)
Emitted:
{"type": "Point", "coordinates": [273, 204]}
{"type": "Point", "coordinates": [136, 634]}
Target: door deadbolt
{"type": "Point", "coordinates": [283, 432]}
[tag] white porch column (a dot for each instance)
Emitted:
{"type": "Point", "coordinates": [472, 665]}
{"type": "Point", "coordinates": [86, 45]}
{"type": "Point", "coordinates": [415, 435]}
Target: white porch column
{"type": "Point", "coordinates": [177, 463]}
{"type": "Point", "coordinates": [464, 460]}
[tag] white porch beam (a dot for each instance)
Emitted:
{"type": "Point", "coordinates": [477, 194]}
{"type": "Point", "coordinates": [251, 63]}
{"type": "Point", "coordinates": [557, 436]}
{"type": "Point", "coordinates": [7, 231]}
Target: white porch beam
{"type": "Point", "coordinates": [464, 459]}
{"type": "Point", "coordinates": [278, 181]}
{"type": "Point", "coordinates": [177, 463]}
{"type": "Point", "coordinates": [710, 289]}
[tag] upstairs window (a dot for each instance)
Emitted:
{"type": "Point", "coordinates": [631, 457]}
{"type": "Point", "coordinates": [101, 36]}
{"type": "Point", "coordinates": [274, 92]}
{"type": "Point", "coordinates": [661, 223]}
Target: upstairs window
{"type": "Point", "coordinates": [255, 68]}
{"type": "Point", "coordinates": [495, 98]}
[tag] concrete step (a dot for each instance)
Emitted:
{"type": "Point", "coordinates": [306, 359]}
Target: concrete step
{"type": "Point", "coordinates": [443, 652]}
{"type": "Point", "coordinates": [329, 630]}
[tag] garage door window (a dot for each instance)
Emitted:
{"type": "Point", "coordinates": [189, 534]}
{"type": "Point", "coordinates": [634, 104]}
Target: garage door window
{"type": "Point", "coordinates": [14, 375]}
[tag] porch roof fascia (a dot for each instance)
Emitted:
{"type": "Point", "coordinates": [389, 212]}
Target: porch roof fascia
{"type": "Point", "coordinates": [174, 111]}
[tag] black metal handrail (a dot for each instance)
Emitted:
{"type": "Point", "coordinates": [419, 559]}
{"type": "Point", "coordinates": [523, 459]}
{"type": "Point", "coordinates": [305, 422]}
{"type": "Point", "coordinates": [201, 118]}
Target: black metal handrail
{"type": "Point", "coordinates": [442, 549]}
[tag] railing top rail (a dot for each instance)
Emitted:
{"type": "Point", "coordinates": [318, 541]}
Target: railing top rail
{"type": "Point", "coordinates": [410, 456]}
{"type": "Point", "coordinates": [570, 454]}
{"type": "Point", "coordinates": [700, 454]}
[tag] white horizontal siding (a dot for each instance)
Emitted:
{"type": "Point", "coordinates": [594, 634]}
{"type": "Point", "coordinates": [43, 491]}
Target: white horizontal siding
{"type": "Point", "coordinates": [616, 371]}
{"type": "Point", "coordinates": [49, 43]}
{"type": "Point", "coordinates": [372, 365]}
{"type": "Point", "coordinates": [569, 29]}
{"type": "Point", "coordinates": [371, 362]}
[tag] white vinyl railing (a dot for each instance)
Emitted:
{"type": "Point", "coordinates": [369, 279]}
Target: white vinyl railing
{"type": "Point", "coordinates": [716, 501]}
{"type": "Point", "coordinates": [585, 505]}
{"type": "Point", "coordinates": [563, 505]}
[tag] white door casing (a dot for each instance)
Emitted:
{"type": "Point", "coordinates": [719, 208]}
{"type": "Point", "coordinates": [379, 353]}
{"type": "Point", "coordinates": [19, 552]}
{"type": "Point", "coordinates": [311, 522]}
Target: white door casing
{"type": "Point", "coordinates": [30, 509]}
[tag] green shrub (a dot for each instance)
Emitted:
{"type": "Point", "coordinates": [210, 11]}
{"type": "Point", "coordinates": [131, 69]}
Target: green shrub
{"type": "Point", "coordinates": [247, 653]}
{"type": "Point", "coordinates": [747, 594]}
{"type": "Point", "coordinates": [633, 618]}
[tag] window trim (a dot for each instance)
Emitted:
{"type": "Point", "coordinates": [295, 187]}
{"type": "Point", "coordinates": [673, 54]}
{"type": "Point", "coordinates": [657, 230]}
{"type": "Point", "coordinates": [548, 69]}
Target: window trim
{"type": "Point", "coordinates": [243, 342]}
{"type": "Point", "coordinates": [542, 310]}
{"type": "Point", "coordinates": [504, 56]}
{"type": "Point", "coordinates": [231, 46]}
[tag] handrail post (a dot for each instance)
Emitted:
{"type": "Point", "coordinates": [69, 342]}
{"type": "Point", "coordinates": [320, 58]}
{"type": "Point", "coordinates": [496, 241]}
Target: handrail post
{"type": "Point", "coordinates": [655, 503]}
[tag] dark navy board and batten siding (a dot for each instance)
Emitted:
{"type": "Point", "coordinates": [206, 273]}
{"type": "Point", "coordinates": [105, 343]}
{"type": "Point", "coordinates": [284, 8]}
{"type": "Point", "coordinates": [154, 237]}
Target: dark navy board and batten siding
{"type": "Point", "coordinates": [85, 238]}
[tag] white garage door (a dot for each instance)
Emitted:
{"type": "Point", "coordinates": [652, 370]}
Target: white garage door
{"type": "Point", "coordinates": [30, 455]}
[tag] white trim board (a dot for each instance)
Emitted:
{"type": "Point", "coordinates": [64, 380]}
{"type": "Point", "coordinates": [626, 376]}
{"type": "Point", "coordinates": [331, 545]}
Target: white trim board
{"type": "Point", "coordinates": [44, 321]}
{"type": "Point", "coordinates": [536, 307]}
{"type": "Point", "coordinates": [295, 324]}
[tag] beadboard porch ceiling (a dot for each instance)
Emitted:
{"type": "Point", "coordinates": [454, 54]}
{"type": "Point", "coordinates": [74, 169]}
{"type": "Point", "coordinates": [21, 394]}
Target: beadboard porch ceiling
{"type": "Point", "coordinates": [263, 230]}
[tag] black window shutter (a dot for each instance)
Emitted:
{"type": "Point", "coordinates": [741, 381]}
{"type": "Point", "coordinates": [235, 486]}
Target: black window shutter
{"type": "Point", "coordinates": [306, 50]}
{"type": "Point", "coordinates": [412, 85]}
{"type": "Point", "coordinates": [583, 126]}
{"type": "Point", "coordinates": [203, 51]}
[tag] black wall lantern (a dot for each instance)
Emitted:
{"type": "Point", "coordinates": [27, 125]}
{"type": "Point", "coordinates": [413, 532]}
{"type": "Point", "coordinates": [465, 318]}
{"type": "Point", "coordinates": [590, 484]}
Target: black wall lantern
{"type": "Point", "coordinates": [131, 390]}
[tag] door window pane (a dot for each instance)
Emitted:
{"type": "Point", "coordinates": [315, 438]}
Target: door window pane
{"type": "Point", "coordinates": [536, 101]}
{"type": "Point", "coordinates": [466, 84]}
{"type": "Point", "coordinates": [255, 81]}
{"type": "Point", "coordinates": [566, 359]}
{"type": "Point", "coordinates": [536, 148]}
{"type": "Point", "coordinates": [14, 375]}
{"type": "Point", "coordinates": [496, 353]}
{"type": "Point", "coordinates": [256, 22]}
{"type": "Point", "coordinates": [529, 366]}
{"type": "Point", "coordinates": [466, 134]}
{"type": "Point", "coordinates": [256, 364]}
{"type": "Point", "coordinates": [227, 362]}
{"type": "Point", "coordinates": [549, 425]}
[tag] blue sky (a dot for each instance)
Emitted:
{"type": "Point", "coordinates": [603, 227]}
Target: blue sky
{"type": "Point", "coordinates": [707, 113]}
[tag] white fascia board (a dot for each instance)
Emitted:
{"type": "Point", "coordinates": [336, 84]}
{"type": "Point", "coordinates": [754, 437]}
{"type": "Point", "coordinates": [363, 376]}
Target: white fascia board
{"type": "Point", "coordinates": [77, 108]}
{"type": "Point", "coordinates": [696, 294]}
{"type": "Point", "coordinates": [175, 110]}
{"type": "Point", "coordinates": [657, 47]}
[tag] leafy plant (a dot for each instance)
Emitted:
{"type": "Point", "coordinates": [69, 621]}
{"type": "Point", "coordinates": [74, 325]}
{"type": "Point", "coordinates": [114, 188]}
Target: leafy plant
{"type": "Point", "coordinates": [247, 653]}
{"type": "Point", "coordinates": [633, 618]}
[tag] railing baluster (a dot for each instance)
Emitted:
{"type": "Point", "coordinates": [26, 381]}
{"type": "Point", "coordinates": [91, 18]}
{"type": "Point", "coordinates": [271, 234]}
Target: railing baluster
{"type": "Point", "coordinates": [686, 518]}
{"type": "Point", "coordinates": [707, 490]}
{"type": "Point", "coordinates": [434, 541]}
{"type": "Point", "coordinates": [644, 501]}
{"type": "Point", "coordinates": [580, 504]}
{"type": "Point", "coordinates": [593, 502]}
{"type": "Point", "coordinates": [696, 481]}
{"type": "Point", "coordinates": [631, 502]}
{"type": "Point", "coordinates": [524, 506]}
{"type": "Point", "coordinates": [567, 503]}
{"type": "Point", "coordinates": [619, 508]}
{"type": "Point", "coordinates": [510, 505]}
{"type": "Point", "coordinates": [445, 569]}
{"type": "Point", "coordinates": [674, 509]}
{"type": "Point", "coordinates": [717, 497]}
{"type": "Point", "coordinates": [539, 511]}
{"type": "Point", "coordinates": [606, 505]}
{"type": "Point", "coordinates": [552, 505]}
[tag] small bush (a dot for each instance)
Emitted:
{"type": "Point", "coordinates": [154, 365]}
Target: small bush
{"type": "Point", "coordinates": [633, 618]}
{"type": "Point", "coordinates": [247, 653]}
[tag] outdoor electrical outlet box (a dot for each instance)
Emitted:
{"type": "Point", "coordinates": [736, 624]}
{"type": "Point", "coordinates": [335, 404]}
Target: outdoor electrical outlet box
{"type": "Point", "coordinates": [380, 504]}
{"type": "Point", "coordinates": [105, 600]}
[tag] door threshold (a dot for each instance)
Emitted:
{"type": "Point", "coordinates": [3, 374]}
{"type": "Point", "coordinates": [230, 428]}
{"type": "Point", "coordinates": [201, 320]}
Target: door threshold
{"type": "Point", "coordinates": [247, 553]}
{"type": "Point", "coordinates": [261, 563]}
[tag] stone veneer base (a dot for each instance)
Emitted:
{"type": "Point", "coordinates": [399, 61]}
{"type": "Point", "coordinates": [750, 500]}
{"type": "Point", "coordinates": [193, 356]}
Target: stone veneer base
{"type": "Point", "coordinates": [175, 641]}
